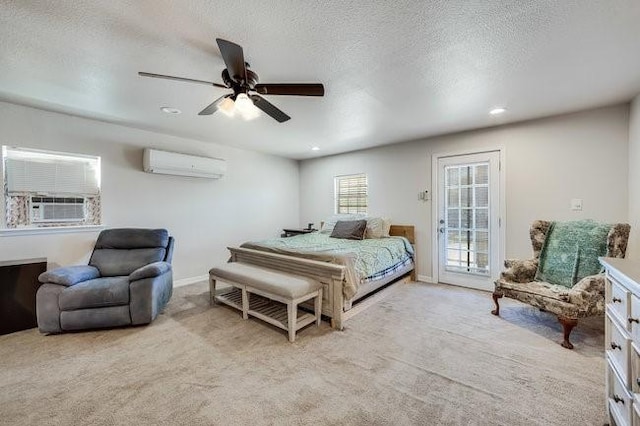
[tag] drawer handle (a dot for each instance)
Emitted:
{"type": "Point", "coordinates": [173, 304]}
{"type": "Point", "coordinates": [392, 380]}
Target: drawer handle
{"type": "Point", "coordinates": [638, 381]}
{"type": "Point", "coordinates": [617, 399]}
{"type": "Point", "coordinates": [632, 320]}
{"type": "Point", "coordinates": [616, 300]}
{"type": "Point", "coordinates": [614, 345]}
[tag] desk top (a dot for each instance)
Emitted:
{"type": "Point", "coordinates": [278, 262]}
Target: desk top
{"type": "Point", "coordinates": [630, 268]}
{"type": "Point", "coordinates": [22, 261]}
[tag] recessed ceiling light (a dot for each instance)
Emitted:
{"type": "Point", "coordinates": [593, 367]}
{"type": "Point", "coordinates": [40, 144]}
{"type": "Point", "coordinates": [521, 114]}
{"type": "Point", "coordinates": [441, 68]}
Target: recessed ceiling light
{"type": "Point", "coordinates": [497, 111]}
{"type": "Point", "coordinates": [169, 110]}
{"type": "Point", "coordinates": [315, 148]}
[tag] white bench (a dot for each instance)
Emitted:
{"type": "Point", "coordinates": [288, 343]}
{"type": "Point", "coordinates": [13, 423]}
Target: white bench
{"type": "Point", "coordinates": [268, 285]}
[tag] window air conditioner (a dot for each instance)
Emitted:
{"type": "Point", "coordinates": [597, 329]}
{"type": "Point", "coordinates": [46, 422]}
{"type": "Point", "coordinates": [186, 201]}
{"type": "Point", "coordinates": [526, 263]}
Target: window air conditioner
{"type": "Point", "coordinates": [57, 209]}
{"type": "Point", "coordinates": [172, 163]}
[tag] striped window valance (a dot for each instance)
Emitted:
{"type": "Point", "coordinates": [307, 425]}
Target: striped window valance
{"type": "Point", "coordinates": [46, 172]}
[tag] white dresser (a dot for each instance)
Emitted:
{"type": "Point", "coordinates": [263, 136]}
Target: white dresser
{"type": "Point", "coordinates": [622, 340]}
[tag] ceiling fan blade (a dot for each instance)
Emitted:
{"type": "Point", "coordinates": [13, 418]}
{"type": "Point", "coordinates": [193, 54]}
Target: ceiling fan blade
{"type": "Point", "coordinates": [314, 89]}
{"type": "Point", "coordinates": [188, 80]}
{"type": "Point", "coordinates": [269, 109]}
{"type": "Point", "coordinates": [213, 107]}
{"type": "Point", "coordinates": [234, 59]}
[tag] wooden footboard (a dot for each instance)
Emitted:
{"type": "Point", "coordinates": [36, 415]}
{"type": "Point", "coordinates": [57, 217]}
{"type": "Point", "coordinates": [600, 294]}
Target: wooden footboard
{"type": "Point", "coordinates": [329, 275]}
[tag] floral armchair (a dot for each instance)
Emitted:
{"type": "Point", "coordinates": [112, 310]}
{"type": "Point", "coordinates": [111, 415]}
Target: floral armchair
{"type": "Point", "coordinates": [584, 299]}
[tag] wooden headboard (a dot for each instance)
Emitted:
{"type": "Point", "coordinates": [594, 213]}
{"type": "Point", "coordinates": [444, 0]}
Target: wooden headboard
{"type": "Point", "coordinates": [407, 231]}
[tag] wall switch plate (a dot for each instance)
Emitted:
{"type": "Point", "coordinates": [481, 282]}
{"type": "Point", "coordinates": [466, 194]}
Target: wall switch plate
{"type": "Point", "coordinates": [576, 204]}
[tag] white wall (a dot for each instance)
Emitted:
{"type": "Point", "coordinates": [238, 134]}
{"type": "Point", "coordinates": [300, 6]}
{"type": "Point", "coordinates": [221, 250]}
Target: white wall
{"type": "Point", "coordinates": [633, 251]}
{"type": "Point", "coordinates": [257, 197]}
{"type": "Point", "coordinates": [548, 162]}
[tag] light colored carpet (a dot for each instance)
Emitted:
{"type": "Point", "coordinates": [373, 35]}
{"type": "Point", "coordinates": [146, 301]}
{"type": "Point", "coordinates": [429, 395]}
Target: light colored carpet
{"type": "Point", "coordinates": [426, 354]}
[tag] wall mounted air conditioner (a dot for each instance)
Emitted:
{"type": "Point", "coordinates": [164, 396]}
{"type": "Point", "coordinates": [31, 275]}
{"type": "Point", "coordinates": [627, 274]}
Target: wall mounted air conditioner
{"type": "Point", "coordinates": [173, 163]}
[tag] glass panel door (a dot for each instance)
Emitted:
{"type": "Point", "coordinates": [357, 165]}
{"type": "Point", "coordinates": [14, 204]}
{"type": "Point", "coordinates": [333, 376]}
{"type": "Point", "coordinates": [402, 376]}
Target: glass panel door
{"type": "Point", "coordinates": [468, 219]}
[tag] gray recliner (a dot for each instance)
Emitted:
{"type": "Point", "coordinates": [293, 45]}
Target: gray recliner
{"type": "Point", "coordinates": [128, 281]}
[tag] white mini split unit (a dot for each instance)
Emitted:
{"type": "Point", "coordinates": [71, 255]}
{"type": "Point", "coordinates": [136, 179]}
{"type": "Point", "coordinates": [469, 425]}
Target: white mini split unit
{"type": "Point", "coordinates": [173, 163]}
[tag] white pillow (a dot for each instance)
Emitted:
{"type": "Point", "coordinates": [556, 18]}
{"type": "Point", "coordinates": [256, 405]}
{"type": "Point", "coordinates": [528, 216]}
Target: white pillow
{"type": "Point", "coordinates": [375, 227]}
{"type": "Point", "coordinates": [330, 222]}
{"type": "Point", "coordinates": [386, 226]}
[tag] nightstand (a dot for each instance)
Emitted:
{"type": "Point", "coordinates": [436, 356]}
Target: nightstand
{"type": "Point", "coordinates": [290, 232]}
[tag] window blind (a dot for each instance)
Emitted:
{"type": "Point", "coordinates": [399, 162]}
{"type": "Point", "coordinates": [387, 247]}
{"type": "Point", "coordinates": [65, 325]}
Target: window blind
{"type": "Point", "coordinates": [351, 194]}
{"type": "Point", "coordinates": [50, 173]}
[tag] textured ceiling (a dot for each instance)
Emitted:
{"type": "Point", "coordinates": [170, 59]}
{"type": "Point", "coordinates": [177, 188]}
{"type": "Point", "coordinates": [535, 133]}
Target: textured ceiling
{"type": "Point", "coordinates": [392, 70]}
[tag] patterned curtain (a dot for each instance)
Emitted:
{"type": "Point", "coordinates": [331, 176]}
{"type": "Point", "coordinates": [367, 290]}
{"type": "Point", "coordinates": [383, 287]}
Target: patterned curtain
{"type": "Point", "coordinates": [94, 210]}
{"type": "Point", "coordinates": [16, 210]}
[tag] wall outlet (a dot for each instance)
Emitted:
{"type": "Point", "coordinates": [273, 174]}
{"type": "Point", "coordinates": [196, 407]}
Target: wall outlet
{"type": "Point", "coordinates": [576, 204]}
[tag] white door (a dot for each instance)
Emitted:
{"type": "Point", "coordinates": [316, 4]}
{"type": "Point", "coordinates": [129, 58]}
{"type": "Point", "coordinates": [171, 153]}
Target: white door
{"type": "Point", "coordinates": [468, 228]}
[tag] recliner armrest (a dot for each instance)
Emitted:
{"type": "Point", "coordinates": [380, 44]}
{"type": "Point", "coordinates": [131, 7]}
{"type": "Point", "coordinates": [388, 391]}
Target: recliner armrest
{"type": "Point", "coordinates": [150, 271]}
{"type": "Point", "coordinates": [69, 275]}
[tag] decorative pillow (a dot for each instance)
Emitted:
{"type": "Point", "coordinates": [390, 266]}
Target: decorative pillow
{"type": "Point", "coordinates": [387, 226]}
{"type": "Point", "coordinates": [375, 228]}
{"type": "Point", "coordinates": [330, 222]}
{"type": "Point", "coordinates": [350, 229]}
{"type": "Point", "coordinates": [571, 250]}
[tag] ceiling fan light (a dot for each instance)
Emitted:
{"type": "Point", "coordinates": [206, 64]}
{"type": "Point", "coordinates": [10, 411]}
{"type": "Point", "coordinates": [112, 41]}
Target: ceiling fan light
{"type": "Point", "coordinates": [243, 103]}
{"type": "Point", "coordinates": [245, 107]}
{"type": "Point", "coordinates": [227, 107]}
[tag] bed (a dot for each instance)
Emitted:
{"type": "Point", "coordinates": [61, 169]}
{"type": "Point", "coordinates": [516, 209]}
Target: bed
{"type": "Point", "coordinates": [348, 270]}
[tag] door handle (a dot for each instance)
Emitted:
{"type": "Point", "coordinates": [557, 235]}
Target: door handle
{"type": "Point", "coordinates": [617, 399]}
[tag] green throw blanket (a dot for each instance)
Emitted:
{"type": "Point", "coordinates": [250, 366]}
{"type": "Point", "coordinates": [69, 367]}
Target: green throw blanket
{"type": "Point", "coordinates": [571, 250]}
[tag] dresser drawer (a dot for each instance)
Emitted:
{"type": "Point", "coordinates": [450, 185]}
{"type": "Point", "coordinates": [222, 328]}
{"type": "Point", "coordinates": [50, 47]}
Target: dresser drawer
{"type": "Point", "coordinates": [620, 302]}
{"type": "Point", "coordinates": [635, 368]}
{"type": "Point", "coordinates": [633, 320]}
{"type": "Point", "coordinates": [619, 400]}
{"type": "Point", "coordinates": [618, 348]}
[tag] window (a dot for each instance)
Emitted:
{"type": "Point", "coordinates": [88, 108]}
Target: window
{"type": "Point", "coordinates": [351, 194]}
{"type": "Point", "coordinates": [45, 188]}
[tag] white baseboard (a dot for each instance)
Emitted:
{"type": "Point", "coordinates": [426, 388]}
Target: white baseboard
{"type": "Point", "coordinates": [426, 279]}
{"type": "Point", "coordinates": [191, 280]}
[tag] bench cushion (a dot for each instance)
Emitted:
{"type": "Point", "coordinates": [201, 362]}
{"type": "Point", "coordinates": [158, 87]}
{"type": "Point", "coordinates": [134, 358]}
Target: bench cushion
{"type": "Point", "coordinates": [270, 281]}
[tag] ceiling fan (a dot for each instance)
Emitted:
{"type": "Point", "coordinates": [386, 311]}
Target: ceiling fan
{"type": "Point", "coordinates": [239, 78]}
